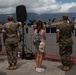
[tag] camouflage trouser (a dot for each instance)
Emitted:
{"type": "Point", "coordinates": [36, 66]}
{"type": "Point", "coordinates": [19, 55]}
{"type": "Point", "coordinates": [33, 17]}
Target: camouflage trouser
{"type": "Point", "coordinates": [65, 52]}
{"type": "Point", "coordinates": [12, 50]}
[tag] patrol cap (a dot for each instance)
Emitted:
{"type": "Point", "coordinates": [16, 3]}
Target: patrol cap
{"type": "Point", "coordinates": [65, 17]}
{"type": "Point", "coordinates": [10, 18]}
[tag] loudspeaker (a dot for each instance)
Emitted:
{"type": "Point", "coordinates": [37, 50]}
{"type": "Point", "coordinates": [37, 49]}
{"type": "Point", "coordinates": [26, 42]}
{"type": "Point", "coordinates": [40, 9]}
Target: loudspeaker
{"type": "Point", "coordinates": [21, 13]}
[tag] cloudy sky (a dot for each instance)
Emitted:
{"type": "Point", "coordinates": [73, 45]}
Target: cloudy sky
{"type": "Point", "coordinates": [38, 6]}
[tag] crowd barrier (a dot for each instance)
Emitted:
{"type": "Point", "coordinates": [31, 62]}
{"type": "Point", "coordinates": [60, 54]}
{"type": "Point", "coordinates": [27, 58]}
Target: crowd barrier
{"type": "Point", "coordinates": [51, 48]}
{"type": "Point", "coordinates": [51, 45]}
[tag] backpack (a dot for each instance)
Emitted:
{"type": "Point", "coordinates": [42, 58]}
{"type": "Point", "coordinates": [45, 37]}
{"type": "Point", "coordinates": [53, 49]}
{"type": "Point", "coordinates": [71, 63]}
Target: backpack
{"type": "Point", "coordinates": [37, 40]}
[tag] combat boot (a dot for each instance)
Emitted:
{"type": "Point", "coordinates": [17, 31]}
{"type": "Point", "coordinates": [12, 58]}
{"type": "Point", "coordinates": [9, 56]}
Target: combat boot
{"type": "Point", "coordinates": [64, 68]}
{"type": "Point", "coordinates": [68, 68]}
{"type": "Point", "coordinates": [14, 66]}
{"type": "Point", "coordinates": [10, 67]}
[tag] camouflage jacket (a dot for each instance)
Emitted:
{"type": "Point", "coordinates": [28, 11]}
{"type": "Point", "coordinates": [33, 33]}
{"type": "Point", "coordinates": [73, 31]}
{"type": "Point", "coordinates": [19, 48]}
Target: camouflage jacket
{"type": "Point", "coordinates": [65, 37]}
{"type": "Point", "coordinates": [10, 29]}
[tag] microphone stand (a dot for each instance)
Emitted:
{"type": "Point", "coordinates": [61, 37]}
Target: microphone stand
{"type": "Point", "coordinates": [23, 50]}
{"type": "Point", "coordinates": [23, 54]}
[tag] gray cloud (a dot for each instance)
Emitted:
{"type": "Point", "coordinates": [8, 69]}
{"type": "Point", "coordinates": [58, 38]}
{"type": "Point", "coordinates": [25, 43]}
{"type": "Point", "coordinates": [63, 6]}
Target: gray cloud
{"type": "Point", "coordinates": [72, 9]}
{"type": "Point", "coordinates": [36, 6]}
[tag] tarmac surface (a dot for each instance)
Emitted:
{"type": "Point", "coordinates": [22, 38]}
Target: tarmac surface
{"type": "Point", "coordinates": [27, 67]}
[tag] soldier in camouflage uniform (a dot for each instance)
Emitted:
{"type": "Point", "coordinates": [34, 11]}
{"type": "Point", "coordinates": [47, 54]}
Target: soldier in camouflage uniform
{"type": "Point", "coordinates": [65, 42]}
{"type": "Point", "coordinates": [11, 42]}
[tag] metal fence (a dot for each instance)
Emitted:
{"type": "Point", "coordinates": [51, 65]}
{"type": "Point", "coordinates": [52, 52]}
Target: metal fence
{"type": "Point", "coordinates": [51, 45]}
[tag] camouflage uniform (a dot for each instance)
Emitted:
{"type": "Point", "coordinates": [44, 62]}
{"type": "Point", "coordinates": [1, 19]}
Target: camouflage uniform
{"type": "Point", "coordinates": [65, 43]}
{"type": "Point", "coordinates": [11, 41]}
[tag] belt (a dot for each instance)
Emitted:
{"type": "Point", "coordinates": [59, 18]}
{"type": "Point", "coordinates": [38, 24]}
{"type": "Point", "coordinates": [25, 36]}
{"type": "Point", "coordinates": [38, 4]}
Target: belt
{"type": "Point", "coordinates": [11, 35]}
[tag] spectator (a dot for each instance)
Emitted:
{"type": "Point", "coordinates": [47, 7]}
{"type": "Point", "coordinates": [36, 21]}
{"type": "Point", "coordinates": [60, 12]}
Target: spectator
{"type": "Point", "coordinates": [40, 50]}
